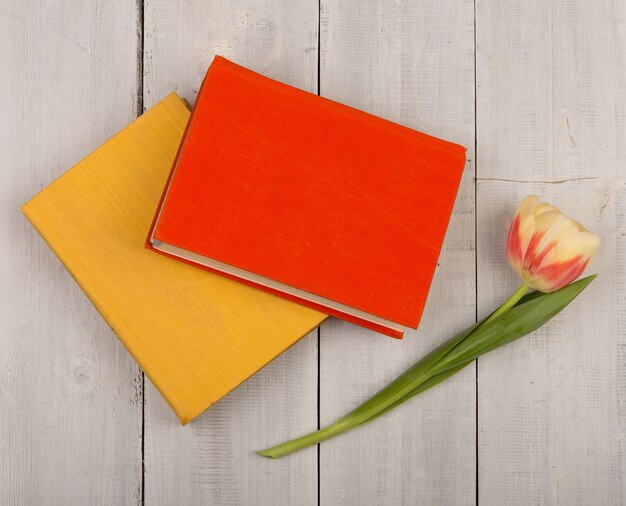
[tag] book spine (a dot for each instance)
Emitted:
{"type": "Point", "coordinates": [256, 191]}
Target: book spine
{"type": "Point", "coordinates": [155, 220]}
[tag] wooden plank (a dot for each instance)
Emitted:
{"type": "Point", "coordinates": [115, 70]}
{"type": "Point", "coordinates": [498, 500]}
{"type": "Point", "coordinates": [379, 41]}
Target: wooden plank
{"type": "Point", "coordinates": [551, 115]}
{"type": "Point", "coordinates": [70, 395]}
{"type": "Point", "coordinates": [212, 460]}
{"type": "Point", "coordinates": [412, 63]}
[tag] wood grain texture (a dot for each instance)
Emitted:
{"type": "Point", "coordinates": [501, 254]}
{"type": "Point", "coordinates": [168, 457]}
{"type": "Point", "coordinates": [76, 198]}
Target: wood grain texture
{"type": "Point", "coordinates": [70, 395]}
{"type": "Point", "coordinates": [551, 87]}
{"type": "Point", "coordinates": [386, 58]}
{"type": "Point", "coordinates": [212, 460]}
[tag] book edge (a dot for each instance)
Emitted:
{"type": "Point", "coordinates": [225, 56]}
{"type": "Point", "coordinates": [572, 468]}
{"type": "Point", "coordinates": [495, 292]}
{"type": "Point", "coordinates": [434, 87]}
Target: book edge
{"type": "Point", "coordinates": [303, 302]}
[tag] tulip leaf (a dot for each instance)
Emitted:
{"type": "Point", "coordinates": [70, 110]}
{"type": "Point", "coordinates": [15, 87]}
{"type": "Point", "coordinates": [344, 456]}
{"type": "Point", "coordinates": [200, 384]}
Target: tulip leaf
{"type": "Point", "coordinates": [429, 383]}
{"type": "Point", "coordinates": [532, 311]}
{"type": "Point", "coordinates": [405, 383]}
{"type": "Point", "coordinates": [528, 314]}
{"type": "Point", "coordinates": [554, 301]}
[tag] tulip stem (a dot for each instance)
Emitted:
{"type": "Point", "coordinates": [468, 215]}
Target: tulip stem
{"type": "Point", "coordinates": [508, 304]}
{"type": "Point", "coordinates": [447, 359]}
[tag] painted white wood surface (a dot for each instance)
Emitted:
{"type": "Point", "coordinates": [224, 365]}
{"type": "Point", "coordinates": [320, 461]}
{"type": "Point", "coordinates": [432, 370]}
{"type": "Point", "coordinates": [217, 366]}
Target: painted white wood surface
{"type": "Point", "coordinates": [212, 460]}
{"type": "Point", "coordinates": [389, 59]}
{"type": "Point", "coordinates": [70, 395]}
{"type": "Point", "coordinates": [551, 118]}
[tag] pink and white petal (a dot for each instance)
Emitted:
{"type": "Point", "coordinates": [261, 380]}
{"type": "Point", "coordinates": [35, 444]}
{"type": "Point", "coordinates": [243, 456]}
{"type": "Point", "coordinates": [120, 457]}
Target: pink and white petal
{"type": "Point", "coordinates": [513, 246]}
{"type": "Point", "coordinates": [554, 276]}
{"type": "Point", "coordinates": [552, 227]}
{"type": "Point", "coordinates": [521, 227]}
{"type": "Point", "coordinates": [580, 244]}
{"type": "Point", "coordinates": [544, 223]}
{"type": "Point", "coordinates": [563, 262]}
{"type": "Point", "coordinates": [525, 211]}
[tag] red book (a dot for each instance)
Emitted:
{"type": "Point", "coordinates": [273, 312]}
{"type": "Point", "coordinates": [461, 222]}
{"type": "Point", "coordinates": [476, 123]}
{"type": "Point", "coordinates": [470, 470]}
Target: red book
{"type": "Point", "coordinates": [309, 199]}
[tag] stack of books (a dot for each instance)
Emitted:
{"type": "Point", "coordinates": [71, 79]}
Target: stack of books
{"type": "Point", "coordinates": [213, 240]}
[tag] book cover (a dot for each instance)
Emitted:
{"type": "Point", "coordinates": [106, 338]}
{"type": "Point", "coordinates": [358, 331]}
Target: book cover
{"type": "Point", "coordinates": [315, 201]}
{"type": "Point", "coordinates": [195, 334]}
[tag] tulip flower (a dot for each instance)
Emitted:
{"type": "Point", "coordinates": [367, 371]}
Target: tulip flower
{"type": "Point", "coordinates": [549, 251]}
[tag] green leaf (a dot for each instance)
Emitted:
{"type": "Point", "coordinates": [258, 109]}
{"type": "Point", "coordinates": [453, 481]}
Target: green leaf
{"type": "Point", "coordinates": [407, 384]}
{"type": "Point", "coordinates": [552, 302]}
{"type": "Point", "coordinates": [403, 384]}
{"type": "Point", "coordinates": [429, 383]}
{"type": "Point", "coordinates": [530, 313]}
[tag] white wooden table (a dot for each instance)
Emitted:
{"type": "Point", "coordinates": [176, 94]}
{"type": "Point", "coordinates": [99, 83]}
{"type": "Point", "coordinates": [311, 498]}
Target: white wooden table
{"type": "Point", "coordinates": [535, 89]}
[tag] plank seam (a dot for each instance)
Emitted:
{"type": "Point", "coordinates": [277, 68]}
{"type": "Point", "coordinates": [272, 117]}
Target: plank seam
{"type": "Point", "coordinates": [140, 54]}
{"type": "Point", "coordinates": [476, 241]}
{"type": "Point", "coordinates": [535, 181]}
{"type": "Point", "coordinates": [319, 332]}
{"type": "Point", "coordinates": [139, 111]}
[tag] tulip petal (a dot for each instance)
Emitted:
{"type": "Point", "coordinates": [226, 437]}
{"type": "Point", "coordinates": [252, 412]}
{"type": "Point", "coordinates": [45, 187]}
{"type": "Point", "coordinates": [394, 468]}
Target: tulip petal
{"type": "Point", "coordinates": [564, 261]}
{"type": "Point", "coordinates": [551, 228]}
{"type": "Point", "coordinates": [544, 224]}
{"type": "Point", "coordinates": [514, 246]}
{"type": "Point", "coordinates": [544, 208]}
{"type": "Point", "coordinates": [527, 220]}
{"type": "Point", "coordinates": [582, 243]}
{"type": "Point", "coordinates": [521, 230]}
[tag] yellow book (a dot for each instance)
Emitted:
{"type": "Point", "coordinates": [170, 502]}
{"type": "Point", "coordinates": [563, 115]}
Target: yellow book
{"type": "Point", "coordinates": [195, 334]}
